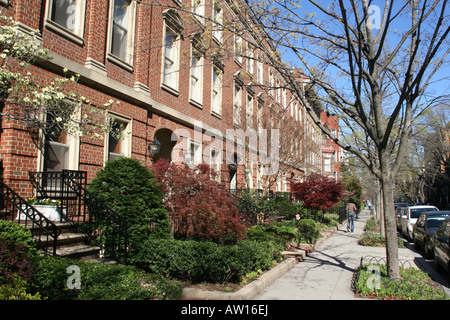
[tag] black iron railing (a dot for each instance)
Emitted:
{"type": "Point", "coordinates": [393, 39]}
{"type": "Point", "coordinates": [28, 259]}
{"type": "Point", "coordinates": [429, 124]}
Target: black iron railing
{"type": "Point", "coordinates": [99, 222]}
{"type": "Point", "coordinates": [17, 209]}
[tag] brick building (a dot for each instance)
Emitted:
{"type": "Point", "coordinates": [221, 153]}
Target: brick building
{"type": "Point", "coordinates": [331, 152]}
{"type": "Point", "coordinates": [176, 83]}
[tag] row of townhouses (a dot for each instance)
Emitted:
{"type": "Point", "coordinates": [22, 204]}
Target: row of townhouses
{"type": "Point", "coordinates": [190, 78]}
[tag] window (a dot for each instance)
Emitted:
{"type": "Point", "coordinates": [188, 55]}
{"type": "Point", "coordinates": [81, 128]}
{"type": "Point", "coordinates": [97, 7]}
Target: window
{"type": "Point", "coordinates": [66, 17]}
{"type": "Point", "coordinates": [278, 92]}
{"type": "Point", "coordinates": [118, 140]}
{"type": "Point", "coordinates": [238, 49]}
{"type": "Point", "coordinates": [260, 114]}
{"type": "Point", "coordinates": [250, 60]}
{"type": "Point", "coordinates": [61, 150]}
{"type": "Point", "coordinates": [216, 98]}
{"type": "Point", "coordinates": [196, 92]}
{"type": "Point", "coordinates": [237, 98]}
{"type": "Point", "coordinates": [271, 84]}
{"type": "Point", "coordinates": [215, 162]}
{"type": "Point", "coordinates": [327, 164]}
{"type": "Point", "coordinates": [198, 8]}
{"type": "Point", "coordinates": [249, 111]}
{"type": "Point", "coordinates": [217, 22]}
{"type": "Point", "coordinates": [171, 54]}
{"type": "Point", "coordinates": [56, 154]}
{"type": "Point", "coordinates": [192, 156]}
{"type": "Point", "coordinates": [121, 39]}
{"type": "Point", "coordinates": [260, 71]}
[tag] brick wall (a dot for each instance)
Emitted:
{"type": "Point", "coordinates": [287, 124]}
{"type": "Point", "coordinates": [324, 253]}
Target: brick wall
{"type": "Point", "coordinates": [138, 89]}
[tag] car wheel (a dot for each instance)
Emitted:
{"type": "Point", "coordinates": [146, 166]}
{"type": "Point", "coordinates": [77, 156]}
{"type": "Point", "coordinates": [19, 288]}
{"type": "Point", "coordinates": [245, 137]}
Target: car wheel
{"type": "Point", "coordinates": [416, 245]}
{"type": "Point", "coordinates": [428, 253]}
{"type": "Point", "coordinates": [437, 266]}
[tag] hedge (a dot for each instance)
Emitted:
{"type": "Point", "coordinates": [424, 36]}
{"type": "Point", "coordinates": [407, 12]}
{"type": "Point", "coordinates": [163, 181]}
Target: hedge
{"type": "Point", "coordinates": [195, 262]}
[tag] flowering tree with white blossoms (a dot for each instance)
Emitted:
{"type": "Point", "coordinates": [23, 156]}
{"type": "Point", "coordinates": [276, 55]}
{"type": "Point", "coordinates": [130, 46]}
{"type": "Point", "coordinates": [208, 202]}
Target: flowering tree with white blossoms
{"type": "Point", "coordinates": [50, 107]}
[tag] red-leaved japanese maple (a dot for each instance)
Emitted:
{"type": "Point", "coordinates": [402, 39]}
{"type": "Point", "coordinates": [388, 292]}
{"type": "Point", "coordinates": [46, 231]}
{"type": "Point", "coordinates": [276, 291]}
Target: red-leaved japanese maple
{"type": "Point", "coordinates": [199, 207]}
{"type": "Point", "coordinates": [318, 192]}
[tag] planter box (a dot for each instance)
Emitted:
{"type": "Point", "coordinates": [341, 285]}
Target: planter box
{"type": "Point", "coordinates": [50, 212]}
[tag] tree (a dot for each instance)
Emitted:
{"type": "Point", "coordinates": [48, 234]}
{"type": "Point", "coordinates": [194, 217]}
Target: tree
{"type": "Point", "coordinates": [373, 69]}
{"type": "Point", "coordinates": [130, 189]}
{"type": "Point", "coordinates": [49, 107]}
{"type": "Point", "coordinates": [318, 192]}
{"type": "Point", "coordinates": [199, 208]}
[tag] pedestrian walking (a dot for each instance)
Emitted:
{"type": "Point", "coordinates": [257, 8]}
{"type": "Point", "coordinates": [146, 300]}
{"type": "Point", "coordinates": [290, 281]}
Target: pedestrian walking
{"type": "Point", "coordinates": [351, 211]}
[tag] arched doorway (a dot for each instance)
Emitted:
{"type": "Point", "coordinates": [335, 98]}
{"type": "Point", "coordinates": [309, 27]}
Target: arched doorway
{"type": "Point", "coordinates": [164, 137]}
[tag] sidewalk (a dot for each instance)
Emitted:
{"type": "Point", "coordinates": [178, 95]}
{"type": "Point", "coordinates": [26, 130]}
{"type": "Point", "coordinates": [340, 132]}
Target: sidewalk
{"type": "Point", "coordinates": [326, 274]}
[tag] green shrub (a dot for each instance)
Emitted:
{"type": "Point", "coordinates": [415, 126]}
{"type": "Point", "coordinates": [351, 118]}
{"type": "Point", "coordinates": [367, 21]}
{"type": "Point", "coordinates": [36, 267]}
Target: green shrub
{"type": "Point", "coordinates": [372, 225]}
{"type": "Point", "coordinates": [374, 239]}
{"type": "Point", "coordinates": [10, 230]}
{"type": "Point", "coordinates": [412, 286]}
{"type": "Point", "coordinates": [331, 219]}
{"type": "Point", "coordinates": [279, 233]}
{"type": "Point", "coordinates": [121, 282]}
{"type": "Point", "coordinates": [129, 188]}
{"type": "Point", "coordinates": [100, 282]}
{"type": "Point", "coordinates": [307, 231]}
{"type": "Point", "coordinates": [50, 279]}
{"type": "Point", "coordinates": [16, 289]}
{"type": "Point", "coordinates": [204, 261]}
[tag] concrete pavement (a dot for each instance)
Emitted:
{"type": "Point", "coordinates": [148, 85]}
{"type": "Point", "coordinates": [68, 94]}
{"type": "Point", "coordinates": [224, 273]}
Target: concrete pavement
{"type": "Point", "coordinates": [326, 274]}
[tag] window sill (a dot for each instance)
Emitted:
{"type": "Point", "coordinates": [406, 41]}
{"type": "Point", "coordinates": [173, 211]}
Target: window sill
{"type": "Point", "coordinates": [170, 89]}
{"type": "Point", "coordinates": [216, 114]}
{"type": "Point", "coordinates": [119, 62]}
{"type": "Point", "coordinates": [60, 30]}
{"type": "Point", "coordinates": [196, 103]}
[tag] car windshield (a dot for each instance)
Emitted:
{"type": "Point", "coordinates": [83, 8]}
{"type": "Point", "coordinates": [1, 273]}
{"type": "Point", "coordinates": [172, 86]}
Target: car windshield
{"type": "Point", "coordinates": [415, 213]}
{"type": "Point", "coordinates": [435, 221]}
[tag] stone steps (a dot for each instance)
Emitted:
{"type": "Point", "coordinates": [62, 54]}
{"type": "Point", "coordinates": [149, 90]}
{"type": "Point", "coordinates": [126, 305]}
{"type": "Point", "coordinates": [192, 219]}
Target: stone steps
{"type": "Point", "coordinates": [69, 244]}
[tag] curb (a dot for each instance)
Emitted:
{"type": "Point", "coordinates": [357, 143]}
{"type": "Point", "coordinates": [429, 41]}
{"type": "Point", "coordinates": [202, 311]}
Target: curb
{"type": "Point", "coordinates": [254, 288]}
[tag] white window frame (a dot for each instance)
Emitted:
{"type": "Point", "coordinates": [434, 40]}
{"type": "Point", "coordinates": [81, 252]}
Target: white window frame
{"type": "Point", "coordinates": [75, 34]}
{"type": "Point", "coordinates": [260, 70]}
{"type": "Point", "coordinates": [271, 84]}
{"type": "Point", "coordinates": [237, 103]}
{"type": "Point", "coordinates": [126, 140]}
{"type": "Point", "coordinates": [327, 164]}
{"type": "Point", "coordinates": [193, 159]}
{"type": "Point", "coordinates": [216, 92]}
{"type": "Point", "coordinates": [217, 22]}
{"type": "Point", "coordinates": [215, 163]}
{"type": "Point", "coordinates": [250, 59]}
{"type": "Point", "coordinates": [249, 109]}
{"type": "Point", "coordinates": [173, 26]}
{"type": "Point", "coordinates": [72, 143]}
{"type": "Point", "coordinates": [238, 49]}
{"type": "Point", "coordinates": [196, 78]}
{"type": "Point", "coordinates": [198, 10]}
{"type": "Point", "coordinates": [125, 61]}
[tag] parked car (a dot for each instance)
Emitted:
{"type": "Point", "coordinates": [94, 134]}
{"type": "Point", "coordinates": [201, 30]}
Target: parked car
{"type": "Point", "coordinates": [410, 216]}
{"type": "Point", "coordinates": [400, 204]}
{"type": "Point", "coordinates": [398, 217]}
{"type": "Point", "coordinates": [441, 246]}
{"type": "Point", "coordinates": [426, 225]}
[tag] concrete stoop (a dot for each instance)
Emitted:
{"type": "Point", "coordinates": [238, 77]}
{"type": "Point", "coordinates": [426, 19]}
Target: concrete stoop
{"type": "Point", "coordinates": [292, 257]}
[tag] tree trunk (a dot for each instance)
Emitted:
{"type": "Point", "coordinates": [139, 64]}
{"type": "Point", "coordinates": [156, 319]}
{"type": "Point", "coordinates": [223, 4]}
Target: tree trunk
{"type": "Point", "coordinates": [390, 226]}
